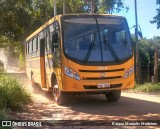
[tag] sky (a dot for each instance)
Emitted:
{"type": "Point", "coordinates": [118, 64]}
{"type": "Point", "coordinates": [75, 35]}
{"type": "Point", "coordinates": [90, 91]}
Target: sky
{"type": "Point", "coordinates": [146, 10]}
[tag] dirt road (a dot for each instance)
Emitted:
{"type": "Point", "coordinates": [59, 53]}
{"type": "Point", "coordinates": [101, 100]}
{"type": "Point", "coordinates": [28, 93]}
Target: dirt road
{"type": "Point", "coordinates": [131, 106]}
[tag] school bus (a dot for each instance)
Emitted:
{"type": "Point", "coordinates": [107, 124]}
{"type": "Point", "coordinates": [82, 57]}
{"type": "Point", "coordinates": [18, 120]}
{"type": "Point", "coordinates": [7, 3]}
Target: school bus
{"type": "Point", "coordinates": [81, 53]}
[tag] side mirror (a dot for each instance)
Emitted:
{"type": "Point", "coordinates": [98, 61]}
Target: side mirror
{"type": "Point", "coordinates": [140, 34]}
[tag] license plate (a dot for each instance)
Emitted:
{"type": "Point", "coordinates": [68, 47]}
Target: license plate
{"type": "Point", "coordinates": [103, 85]}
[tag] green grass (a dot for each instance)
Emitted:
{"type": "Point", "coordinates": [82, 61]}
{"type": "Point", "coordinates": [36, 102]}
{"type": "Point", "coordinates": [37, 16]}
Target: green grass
{"type": "Point", "coordinates": [12, 95]}
{"type": "Point", "coordinates": [148, 87]}
{"type": "Point", "coordinates": [3, 117]}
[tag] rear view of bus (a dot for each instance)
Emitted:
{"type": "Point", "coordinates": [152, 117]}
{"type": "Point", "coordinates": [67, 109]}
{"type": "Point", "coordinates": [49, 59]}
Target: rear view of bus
{"type": "Point", "coordinates": [97, 56]}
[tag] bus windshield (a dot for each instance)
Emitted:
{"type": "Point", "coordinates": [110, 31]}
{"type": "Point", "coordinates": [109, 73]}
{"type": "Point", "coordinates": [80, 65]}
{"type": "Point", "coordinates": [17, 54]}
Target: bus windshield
{"type": "Point", "coordinates": [97, 39]}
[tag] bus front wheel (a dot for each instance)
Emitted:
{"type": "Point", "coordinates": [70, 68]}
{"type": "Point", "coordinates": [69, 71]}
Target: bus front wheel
{"type": "Point", "coordinates": [113, 96]}
{"type": "Point", "coordinates": [58, 95]}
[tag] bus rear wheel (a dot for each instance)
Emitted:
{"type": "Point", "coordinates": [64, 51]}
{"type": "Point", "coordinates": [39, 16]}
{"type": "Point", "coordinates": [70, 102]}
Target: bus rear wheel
{"type": "Point", "coordinates": [113, 96]}
{"type": "Point", "coordinates": [58, 95]}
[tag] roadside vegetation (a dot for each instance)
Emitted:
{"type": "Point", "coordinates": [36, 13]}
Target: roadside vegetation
{"type": "Point", "coordinates": [3, 117]}
{"type": "Point", "coordinates": [13, 96]}
{"type": "Point", "coordinates": [148, 88]}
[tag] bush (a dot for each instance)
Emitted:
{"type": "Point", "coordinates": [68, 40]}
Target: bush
{"type": "Point", "coordinates": [148, 87]}
{"type": "Point", "coordinates": [1, 66]}
{"type": "Point", "coordinates": [12, 95]}
{"type": "Point", "coordinates": [3, 117]}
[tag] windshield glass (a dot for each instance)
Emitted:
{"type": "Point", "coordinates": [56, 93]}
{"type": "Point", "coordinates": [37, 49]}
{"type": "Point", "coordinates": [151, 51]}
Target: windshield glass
{"type": "Point", "coordinates": [96, 39]}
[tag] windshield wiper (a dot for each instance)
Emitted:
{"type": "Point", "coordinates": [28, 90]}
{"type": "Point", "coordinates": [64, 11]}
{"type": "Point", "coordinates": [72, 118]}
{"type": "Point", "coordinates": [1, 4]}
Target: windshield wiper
{"type": "Point", "coordinates": [93, 44]}
{"type": "Point", "coordinates": [90, 48]}
{"type": "Point", "coordinates": [110, 48]}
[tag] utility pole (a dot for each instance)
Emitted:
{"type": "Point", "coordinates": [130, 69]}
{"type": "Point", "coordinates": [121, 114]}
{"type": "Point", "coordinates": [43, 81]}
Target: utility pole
{"type": "Point", "coordinates": [55, 8]}
{"type": "Point", "coordinates": [137, 50]}
{"type": "Point", "coordinates": [64, 6]}
{"type": "Point", "coordinates": [156, 65]}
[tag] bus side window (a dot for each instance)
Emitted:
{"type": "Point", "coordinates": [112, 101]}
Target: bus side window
{"type": "Point", "coordinates": [55, 41]}
{"type": "Point", "coordinates": [27, 48]}
{"type": "Point", "coordinates": [30, 48]}
{"type": "Point", "coordinates": [34, 45]}
{"type": "Point", "coordinates": [48, 42]}
{"type": "Point", "coordinates": [38, 45]}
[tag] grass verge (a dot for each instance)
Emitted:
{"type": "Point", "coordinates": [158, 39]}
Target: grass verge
{"type": "Point", "coordinates": [148, 88]}
{"type": "Point", "coordinates": [3, 117]}
{"type": "Point", "coordinates": [12, 95]}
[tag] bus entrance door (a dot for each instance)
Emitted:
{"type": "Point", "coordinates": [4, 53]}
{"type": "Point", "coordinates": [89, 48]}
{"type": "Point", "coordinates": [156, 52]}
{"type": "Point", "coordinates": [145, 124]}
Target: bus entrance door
{"type": "Point", "coordinates": [42, 63]}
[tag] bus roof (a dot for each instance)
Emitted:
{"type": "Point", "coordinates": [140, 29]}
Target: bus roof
{"type": "Point", "coordinates": [65, 15]}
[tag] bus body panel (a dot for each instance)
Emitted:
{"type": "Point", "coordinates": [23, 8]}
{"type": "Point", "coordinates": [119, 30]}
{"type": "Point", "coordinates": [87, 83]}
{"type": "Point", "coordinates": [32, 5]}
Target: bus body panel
{"type": "Point", "coordinates": [33, 66]}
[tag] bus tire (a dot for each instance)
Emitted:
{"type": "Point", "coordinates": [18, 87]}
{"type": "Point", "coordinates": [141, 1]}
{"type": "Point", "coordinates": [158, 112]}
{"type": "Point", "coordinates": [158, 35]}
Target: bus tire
{"type": "Point", "coordinates": [59, 96]}
{"type": "Point", "coordinates": [113, 96]}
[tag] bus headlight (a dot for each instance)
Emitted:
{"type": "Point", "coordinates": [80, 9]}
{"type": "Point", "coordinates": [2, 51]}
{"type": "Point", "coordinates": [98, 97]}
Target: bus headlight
{"type": "Point", "coordinates": [129, 72]}
{"type": "Point", "coordinates": [71, 73]}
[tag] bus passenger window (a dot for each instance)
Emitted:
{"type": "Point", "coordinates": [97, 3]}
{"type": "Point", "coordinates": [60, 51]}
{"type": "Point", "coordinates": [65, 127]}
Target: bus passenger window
{"type": "Point", "coordinates": [48, 42]}
{"type": "Point", "coordinates": [30, 47]}
{"type": "Point", "coordinates": [55, 41]}
{"type": "Point", "coordinates": [38, 43]}
{"type": "Point", "coordinates": [34, 44]}
{"type": "Point", "coordinates": [26, 48]}
{"type": "Point", "coordinates": [34, 47]}
{"type": "Point", "coordinates": [38, 46]}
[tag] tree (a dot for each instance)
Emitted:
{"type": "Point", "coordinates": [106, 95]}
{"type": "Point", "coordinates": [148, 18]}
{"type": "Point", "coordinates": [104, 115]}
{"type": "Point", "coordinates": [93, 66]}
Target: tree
{"type": "Point", "coordinates": [147, 58]}
{"type": "Point", "coordinates": [72, 6]}
{"type": "Point", "coordinates": [15, 18]}
{"type": "Point", "coordinates": [156, 19]}
{"type": "Point", "coordinates": [21, 17]}
{"type": "Point", "coordinates": [105, 6]}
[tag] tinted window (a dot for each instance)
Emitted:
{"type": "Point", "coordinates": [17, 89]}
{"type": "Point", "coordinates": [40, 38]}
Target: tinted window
{"type": "Point", "coordinates": [34, 44]}
{"type": "Point", "coordinates": [30, 47]}
{"type": "Point", "coordinates": [97, 39]}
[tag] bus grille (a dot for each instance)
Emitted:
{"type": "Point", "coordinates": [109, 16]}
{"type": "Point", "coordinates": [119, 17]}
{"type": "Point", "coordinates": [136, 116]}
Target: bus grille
{"type": "Point", "coordinates": [102, 78]}
{"type": "Point", "coordinates": [95, 86]}
{"type": "Point", "coordinates": [101, 71]}
{"type": "Point", "coordinates": [97, 71]}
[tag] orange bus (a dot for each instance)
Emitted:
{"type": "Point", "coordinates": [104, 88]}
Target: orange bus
{"type": "Point", "coordinates": [81, 53]}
